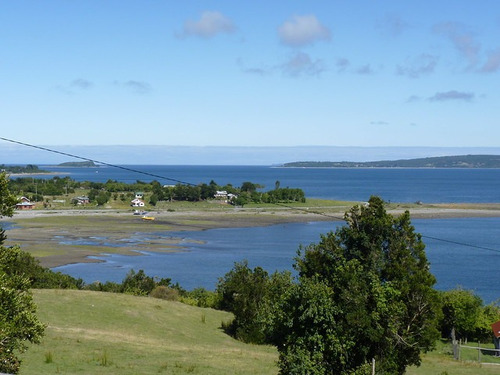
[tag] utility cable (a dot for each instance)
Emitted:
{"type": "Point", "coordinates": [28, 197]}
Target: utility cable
{"type": "Point", "coordinates": [97, 161]}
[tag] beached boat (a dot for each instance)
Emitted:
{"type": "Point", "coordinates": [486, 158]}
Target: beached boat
{"type": "Point", "coordinates": [148, 218]}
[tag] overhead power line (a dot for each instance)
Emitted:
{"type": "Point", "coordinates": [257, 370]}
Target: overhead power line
{"type": "Point", "coordinates": [191, 184]}
{"type": "Point", "coordinates": [96, 161]}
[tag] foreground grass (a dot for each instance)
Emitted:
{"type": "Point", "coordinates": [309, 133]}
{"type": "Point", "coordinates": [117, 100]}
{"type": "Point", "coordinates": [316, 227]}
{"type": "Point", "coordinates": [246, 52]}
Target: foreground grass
{"type": "Point", "coordinates": [440, 362]}
{"type": "Point", "coordinates": [104, 333]}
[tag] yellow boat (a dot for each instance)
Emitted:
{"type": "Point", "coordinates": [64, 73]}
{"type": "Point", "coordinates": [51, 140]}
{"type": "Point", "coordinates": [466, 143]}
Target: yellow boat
{"type": "Point", "coordinates": [148, 218]}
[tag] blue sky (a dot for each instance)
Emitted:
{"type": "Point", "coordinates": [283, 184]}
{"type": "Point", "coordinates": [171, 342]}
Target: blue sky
{"type": "Point", "coordinates": [260, 73]}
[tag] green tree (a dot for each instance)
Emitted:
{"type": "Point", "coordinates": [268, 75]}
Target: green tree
{"type": "Point", "coordinates": [18, 322]}
{"type": "Point", "coordinates": [364, 292]}
{"type": "Point", "coordinates": [7, 199]}
{"type": "Point", "coordinates": [253, 297]}
{"type": "Point", "coordinates": [465, 314]}
{"type": "Point", "coordinates": [153, 199]}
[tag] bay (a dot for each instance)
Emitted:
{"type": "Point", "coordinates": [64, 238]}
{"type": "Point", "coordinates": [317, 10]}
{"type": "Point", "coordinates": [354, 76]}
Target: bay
{"type": "Point", "coordinates": [350, 184]}
{"type": "Point", "coordinates": [453, 262]}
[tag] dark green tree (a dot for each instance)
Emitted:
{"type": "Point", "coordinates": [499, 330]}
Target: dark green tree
{"type": "Point", "coordinates": [18, 322]}
{"type": "Point", "coordinates": [253, 297]}
{"type": "Point", "coordinates": [7, 199]}
{"type": "Point", "coordinates": [364, 292]}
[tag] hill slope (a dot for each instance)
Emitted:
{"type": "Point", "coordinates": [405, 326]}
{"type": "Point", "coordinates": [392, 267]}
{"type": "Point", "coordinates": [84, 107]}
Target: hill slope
{"type": "Point", "coordinates": [461, 161]}
{"type": "Point", "coordinates": [104, 333]}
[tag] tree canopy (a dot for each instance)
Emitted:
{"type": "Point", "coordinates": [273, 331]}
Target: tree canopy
{"type": "Point", "coordinates": [18, 322]}
{"type": "Point", "coordinates": [364, 292]}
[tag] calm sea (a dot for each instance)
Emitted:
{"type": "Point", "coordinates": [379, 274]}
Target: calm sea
{"type": "Point", "coordinates": [274, 247]}
{"type": "Point", "coordinates": [397, 185]}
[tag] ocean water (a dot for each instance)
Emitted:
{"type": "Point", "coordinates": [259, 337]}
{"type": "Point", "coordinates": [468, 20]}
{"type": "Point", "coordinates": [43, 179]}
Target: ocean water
{"type": "Point", "coordinates": [358, 184]}
{"type": "Point", "coordinates": [275, 247]}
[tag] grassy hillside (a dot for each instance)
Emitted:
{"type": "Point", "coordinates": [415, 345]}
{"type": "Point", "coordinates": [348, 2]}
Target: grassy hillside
{"type": "Point", "coordinates": [102, 333]}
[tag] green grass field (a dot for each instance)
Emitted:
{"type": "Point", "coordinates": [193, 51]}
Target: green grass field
{"type": "Point", "coordinates": [103, 333]}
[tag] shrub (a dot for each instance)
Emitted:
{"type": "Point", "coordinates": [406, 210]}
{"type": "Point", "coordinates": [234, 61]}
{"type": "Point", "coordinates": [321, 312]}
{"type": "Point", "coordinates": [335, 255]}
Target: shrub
{"type": "Point", "coordinates": [164, 292]}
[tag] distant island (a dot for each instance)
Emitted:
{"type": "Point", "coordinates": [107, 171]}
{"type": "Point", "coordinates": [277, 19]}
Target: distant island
{"type": "Point", "coordinates": [461, 161]}
{"type": "Point", "coordinates": [78, 164]}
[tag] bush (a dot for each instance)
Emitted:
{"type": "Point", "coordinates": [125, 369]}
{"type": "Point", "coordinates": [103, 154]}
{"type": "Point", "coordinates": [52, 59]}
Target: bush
{"type": "Point", "coordinates": [164, 292]}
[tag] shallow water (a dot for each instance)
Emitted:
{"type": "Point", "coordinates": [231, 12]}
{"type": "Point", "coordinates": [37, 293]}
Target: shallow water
{"type": "Point", "coordinates": [274, 248]}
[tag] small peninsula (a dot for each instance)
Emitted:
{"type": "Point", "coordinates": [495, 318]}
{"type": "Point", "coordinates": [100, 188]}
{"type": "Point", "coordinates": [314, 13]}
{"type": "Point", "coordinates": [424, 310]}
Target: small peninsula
{"type": "Point", "coordinates": [460, 161]}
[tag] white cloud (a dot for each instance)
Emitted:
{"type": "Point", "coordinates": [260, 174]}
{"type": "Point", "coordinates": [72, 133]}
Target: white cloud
{"type": "Point", "coordinates": [210, 24]}
{"type": "Point", "coordinates": [303, 30]}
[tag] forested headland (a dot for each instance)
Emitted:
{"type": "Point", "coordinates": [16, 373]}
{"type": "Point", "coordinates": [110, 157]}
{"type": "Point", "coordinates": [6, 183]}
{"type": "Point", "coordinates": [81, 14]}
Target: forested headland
{"type": "Point", "coordinates": [460, 161]}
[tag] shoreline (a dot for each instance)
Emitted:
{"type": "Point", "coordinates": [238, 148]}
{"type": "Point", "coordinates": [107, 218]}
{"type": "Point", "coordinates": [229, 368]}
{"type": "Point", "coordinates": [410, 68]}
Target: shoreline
{"type": "Point", "coordinates": [63, 237]}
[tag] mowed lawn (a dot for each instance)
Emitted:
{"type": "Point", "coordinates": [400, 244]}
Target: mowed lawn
{"type": "Point", "coordinates": [104, 333]}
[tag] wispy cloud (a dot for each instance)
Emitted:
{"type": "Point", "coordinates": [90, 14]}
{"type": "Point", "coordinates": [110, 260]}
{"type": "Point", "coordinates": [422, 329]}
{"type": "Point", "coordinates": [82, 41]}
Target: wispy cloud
{"type": "Point", "coordinates": [302, 64]}
{"type": "Point", "coordinates": [492, 64]}
{"type": "Point", "coordinates": [81, 83]}
{"type": "Point", "coordinates": [365, 70]}
{"type": "Point", "coordinates": [452, 95]}
{"type": "Point", "coordinates": [303, 30]}
{"type": "Point", "coordinates": [208, 25]}
{"type": "Point", "coordinates": [342, 64]}
{"type": "Point", "coordinates": [137, 87]}
{"type": "Point", "coordinates": [379, 123]}
{"type": "Point", "coordinates": [413, 99]}
{"type": "Point", "coordinates": [392, 25]}
{"type": "Point", "coordinates": [462, 39]}
{"type": "Point", "coordinates": [256, 71]}
{"type": "Point", "coordinates": [414, 68]}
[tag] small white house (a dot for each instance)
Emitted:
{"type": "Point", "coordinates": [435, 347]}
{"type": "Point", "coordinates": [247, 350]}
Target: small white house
{"type": "Point", "coordinates": [139, 195]}
{"type": "Point", "coordinates": [137, 203]}
{"type": "Point", "coordinates": [221, 194]}
{"type": "Point", "coordinates": [24, 204]}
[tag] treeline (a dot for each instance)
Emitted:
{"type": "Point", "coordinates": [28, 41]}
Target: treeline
{"type": "Point", "coordinates": [459, 161]}
{"type": "Point", "coordinates": [101, 192]}
{"type": "Point", "coordinates": [18, 263]}
{"type": "Point", "coordinates": [29, 168]}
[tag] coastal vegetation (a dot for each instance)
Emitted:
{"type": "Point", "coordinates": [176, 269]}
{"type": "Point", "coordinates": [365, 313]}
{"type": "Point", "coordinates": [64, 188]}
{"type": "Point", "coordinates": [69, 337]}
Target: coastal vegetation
{"type": "Point", "coordinates": [78, 164]}
{"type": "Point", "coordinates": [460, 161]}
{"type": "Point", "coordinates": [27, 169]}
{"type": "Point", "coordinates": [362, 293]}
{"type": "Point", "coordinates": [100, 193]}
